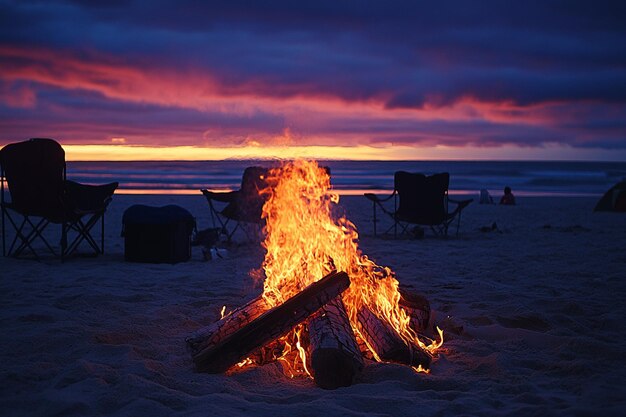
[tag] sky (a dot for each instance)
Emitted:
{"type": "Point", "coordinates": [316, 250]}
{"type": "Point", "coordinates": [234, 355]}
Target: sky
{"type": "Point", "coordinates": [153, 79]}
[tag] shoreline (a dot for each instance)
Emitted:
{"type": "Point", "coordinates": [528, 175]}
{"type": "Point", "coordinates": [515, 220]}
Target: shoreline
{"type": "Point", "coordinates": [360, 192]}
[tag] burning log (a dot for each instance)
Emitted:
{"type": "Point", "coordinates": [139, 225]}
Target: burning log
{"type": "Point", "coordinates": [418, 308]}
{"type": "Point", "coordinates": [268, 353]}
{"type": "Point", "coordinates": [221, 329]}
{"type": "Point", "coordinates": [386, 343]}
{"type": "Point", "coordinates": [233, 321]}
{"type": "Point", "coordinates": [335, 356]}
{"type": "Point", "coordinates": [229, 350]}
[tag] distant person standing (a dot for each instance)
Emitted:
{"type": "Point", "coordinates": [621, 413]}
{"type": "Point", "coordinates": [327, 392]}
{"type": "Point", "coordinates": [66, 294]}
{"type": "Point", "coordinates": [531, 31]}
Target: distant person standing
{"type": "Point", "coordinates": [508, 198]}
{"type": "Point", "coordinates": [485, 197]}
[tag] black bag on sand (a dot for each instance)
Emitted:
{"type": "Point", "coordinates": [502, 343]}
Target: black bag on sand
{"type": "Point", "coordinates": [157, 234]}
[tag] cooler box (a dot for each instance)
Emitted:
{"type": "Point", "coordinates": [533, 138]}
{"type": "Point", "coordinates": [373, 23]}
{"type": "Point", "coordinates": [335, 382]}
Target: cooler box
{"type": "Point", "coordinates": [157, 234]}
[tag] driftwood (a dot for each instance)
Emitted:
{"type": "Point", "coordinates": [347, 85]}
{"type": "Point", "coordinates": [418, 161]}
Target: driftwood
{"type": "Point", "coordinates": [335, 356]}
{"type": "Point", "coordinates": [272, 324]}
{"type": "Point", "coordinates": [221, 329]}
{"type": "Point", "coordinates": [386, 342]}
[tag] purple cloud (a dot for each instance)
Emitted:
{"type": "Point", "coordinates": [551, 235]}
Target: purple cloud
{"type": "Point", "coordinates": [191, 72]}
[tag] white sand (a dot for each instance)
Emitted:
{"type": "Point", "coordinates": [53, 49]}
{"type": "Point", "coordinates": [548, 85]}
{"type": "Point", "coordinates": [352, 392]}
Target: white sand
{"type": "Point", "coordinates": [534, 319]}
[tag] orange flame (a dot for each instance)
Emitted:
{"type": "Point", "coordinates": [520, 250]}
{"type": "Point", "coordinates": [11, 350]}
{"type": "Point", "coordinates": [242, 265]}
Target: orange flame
{"type": "Point", "coordinates": [305, 241]}
{"type": "Point", "coordinates": [294, 360]}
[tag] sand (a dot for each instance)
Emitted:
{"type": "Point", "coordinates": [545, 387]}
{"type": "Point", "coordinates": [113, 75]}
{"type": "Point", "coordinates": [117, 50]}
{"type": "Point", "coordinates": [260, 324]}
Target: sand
{"type": "Point", "coordinates": [533, 313]}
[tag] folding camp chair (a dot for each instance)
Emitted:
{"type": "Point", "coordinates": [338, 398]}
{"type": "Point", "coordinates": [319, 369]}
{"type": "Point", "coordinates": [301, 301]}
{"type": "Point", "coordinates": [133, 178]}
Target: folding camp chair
{"type": "Point", "coordinates": [35, 173]}
{"type": "Point", "coordinates": [243, 207]}
{"type": "Point", "coordinates": [420, 200]}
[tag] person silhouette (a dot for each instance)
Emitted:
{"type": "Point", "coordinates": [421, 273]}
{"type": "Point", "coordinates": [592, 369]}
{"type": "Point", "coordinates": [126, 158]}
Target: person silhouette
{"type": "Point", "coordinates": [508, 198]}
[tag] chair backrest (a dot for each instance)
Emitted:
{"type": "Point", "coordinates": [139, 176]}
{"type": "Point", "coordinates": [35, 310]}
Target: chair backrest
{"type": "Point", "coordinates": [249, 200]}
{"type": "Point", "coordinates": [422, 199]}
{"type": "Point", "coordinates": [35, 173]}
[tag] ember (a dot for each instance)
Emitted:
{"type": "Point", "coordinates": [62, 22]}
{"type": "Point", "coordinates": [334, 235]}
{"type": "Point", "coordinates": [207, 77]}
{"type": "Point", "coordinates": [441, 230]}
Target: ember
{"type": "Point", "coordinates": [323, 327]}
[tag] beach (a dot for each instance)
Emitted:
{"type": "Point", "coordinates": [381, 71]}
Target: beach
{"type": "Point", "coordinates": [532, 310]}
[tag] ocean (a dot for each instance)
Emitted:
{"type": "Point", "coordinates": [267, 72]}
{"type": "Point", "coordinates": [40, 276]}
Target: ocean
{"type": "Point", "coordinates": [526, 178]}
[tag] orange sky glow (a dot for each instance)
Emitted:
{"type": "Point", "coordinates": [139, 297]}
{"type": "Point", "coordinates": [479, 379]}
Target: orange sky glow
{"type": "Point", "coordinates": [391, 153]}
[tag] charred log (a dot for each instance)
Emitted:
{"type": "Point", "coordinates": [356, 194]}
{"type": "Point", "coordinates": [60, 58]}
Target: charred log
{"type": "Point", "coordinates": [335, 356]}
{"type": "Point", "coordinates": [270, 325]}
{"type": "Point", "coordinates": [263, 355]}
{"type": "Point", "coordinates": [386, 343]}
{"type": "Point", "coordinates": [221, 329]}
{"type": "Point", "coordinates": [418, 308]}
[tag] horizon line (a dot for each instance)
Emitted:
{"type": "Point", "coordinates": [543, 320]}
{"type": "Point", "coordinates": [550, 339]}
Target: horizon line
{"type": "Point", "coordinates": [505, 153]}
{"type": "Point", "coordinates": [350, 160]}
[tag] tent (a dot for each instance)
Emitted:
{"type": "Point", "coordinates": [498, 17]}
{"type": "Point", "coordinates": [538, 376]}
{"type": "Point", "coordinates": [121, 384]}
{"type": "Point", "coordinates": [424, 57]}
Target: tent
{"type": "Point", "coordinates": [614, 199]}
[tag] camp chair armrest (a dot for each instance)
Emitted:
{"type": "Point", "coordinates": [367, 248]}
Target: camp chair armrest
{"type": "Point", "coordinates": [377, 199]}
{"type": "Point", "coordinates": [461, 204]}
{"type": "Point", "coordinates": [222, 196]}
{"type": "Point", "coordinates": [86, 198]}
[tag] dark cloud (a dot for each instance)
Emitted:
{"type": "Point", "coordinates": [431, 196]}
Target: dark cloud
{"type": "Point", "coordinates": [402, 55]}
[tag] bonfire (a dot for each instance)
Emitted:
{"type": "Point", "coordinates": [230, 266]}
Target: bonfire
{"type": "Point", "coordinates": [325, 307]}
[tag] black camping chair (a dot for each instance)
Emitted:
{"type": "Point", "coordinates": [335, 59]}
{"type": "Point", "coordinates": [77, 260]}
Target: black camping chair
{"type": "Point", "coordinates": [35, 173]}
{"type": "Point", "coordinates": [420, 200]}
{"type": "Point", "coordinates": [242, 207]}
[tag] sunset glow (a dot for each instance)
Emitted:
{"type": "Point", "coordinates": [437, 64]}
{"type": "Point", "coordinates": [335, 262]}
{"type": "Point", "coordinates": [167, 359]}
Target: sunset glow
{"type": "Point", "coordinates": [246, 80]}
{"type": "Point", "coordinates": [359, 152]}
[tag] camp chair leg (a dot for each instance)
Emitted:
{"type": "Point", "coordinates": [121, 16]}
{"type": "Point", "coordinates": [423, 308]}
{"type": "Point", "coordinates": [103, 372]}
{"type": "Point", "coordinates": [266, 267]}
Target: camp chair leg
{"type": "Point", "coordinates": [437, 231]}
{"type": "Point", "coordinates": [403, 226]}
{"type": "Point", "coordinates": [3, 208]}
{"type": "Point", "coordinates": [36, 230]}
{"type": "Point", "coordinates": [85, 231]}
{"type": "Point", "coordinates": [395, 210]}
{"type": "Point", "coordinates": [393, 226]}
{"type": "Point", "coordinates": [64, 229]}
{"type": "Point", "coordinates": [83, 234]}
{"type": "Point", "coordinates": [45, 224]}
{"type": "Point", "coordinates": [374, 216]}
{"type": "Point", "coordinates": [3, 230]}
{"type": "Point", "coordinates": [222, 224]}
{"type": "Point", "coordinates": [213, 215]}
{"type": "Point", "coordinates": [229, 236]}
{"type": "Point", "coordinates": [18, 234]}
{"type": "Point", "coordinates": [24, 240]}
{"type": "Point", "coordinates": [440, 229]}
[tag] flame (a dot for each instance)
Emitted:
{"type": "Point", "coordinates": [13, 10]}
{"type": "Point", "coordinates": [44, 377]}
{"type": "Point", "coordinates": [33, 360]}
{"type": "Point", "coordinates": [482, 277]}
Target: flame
{"type": "Point", "coordinates": [436, 345]}
{"type": "Point", "coordinates": [294, 360]}
{"type": "Point", "coordinates": [224, 313]}
{"type": "Point", "coordinates": [419, 368]}
{"type": "Point", "coordinates": [305, 240]}
{"type": "Point", "coordinates": [245, 362]}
